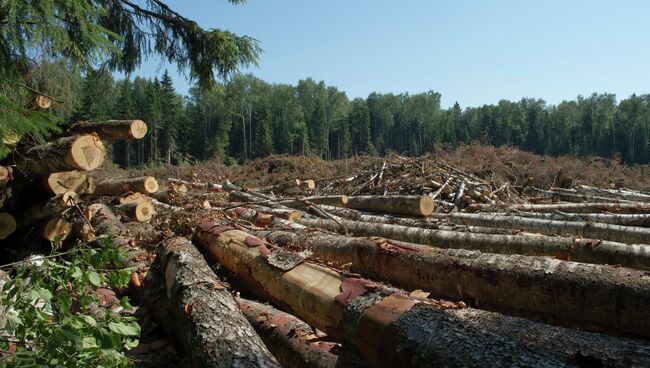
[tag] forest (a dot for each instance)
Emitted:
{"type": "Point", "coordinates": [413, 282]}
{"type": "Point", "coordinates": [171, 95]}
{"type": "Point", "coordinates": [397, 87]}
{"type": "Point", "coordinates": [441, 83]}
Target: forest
{"type": "Point", "coordinates": [246, 117]}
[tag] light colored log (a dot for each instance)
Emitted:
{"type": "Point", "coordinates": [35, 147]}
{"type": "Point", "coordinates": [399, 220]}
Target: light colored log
{"type": "Point", "coordinates": [642, 220]}
{"type": "Point", "coordinates": [330, 200]}
{"type": "Point", "coordinates": [579, 250]}
{"type": "Point", "coordinates": [112, 129]}
{"type": "Point", "coordinates": [287, 214]}
{"type": "Point", "coordinates": [205, 319]}
{"type": "Point", "coordinates": [4, 175]}
{"type": "Point", "coordinates": [56, 229]}
{"type": "Point", "coordinates": [404, 205]}
{"type": "Point", "coordinates": [575, 197]}
{"type": "Point", "coordinates": [7, 225]}
{"type": "Point", "coordinates": [41, 102]}
{"type": "Point", "coordinates": [613, 193]}
{"type": "Point", "coordinates": [584, 295]}
{"type": "Point", "coordinates": [592, 230]}
{"type": "Point", "coordinates": [567, 207]}
{"type": "Point", "coordinates": [141, 211]}
{"type": "Point", "coordinates": [196, 184]}
{"type": "Point", "coordinates": [81, 152]}
{"type": "Point", "coordinates": [76, 181]}
{"type": "Point", "coordinates": [112, 187]}
{"type": "Point", "coordinates": [136, 197]}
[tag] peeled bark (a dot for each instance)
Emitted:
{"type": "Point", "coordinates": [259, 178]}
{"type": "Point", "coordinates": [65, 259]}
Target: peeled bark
{"type": "Point", "coordinates": [388, 328]}
{"type": "Point", "coordinates": [293, 341]}
{"type": "Point", "coordinates": [81, 152]}
{"type": "Point", "coordinates": [583, 295]}
{"type": "Point", "coordinates": [205, 319]}
{"type": "Point", "coordinates": [579, 250]}
{"type": "Point", "coordinates": [592, 230]}
{"type": "Point", "coordinates": [404, 205]}
{"type": "Point", "coordinates": [7, 225]}
{"type": "Point", "coordinates": [567, 207]}
{"type": "Point", "coordinates": [76, 181]}
{"type": "Point", "coordinates": [113, 187]}
{"type": "Point", "coordinates": [112, 129]}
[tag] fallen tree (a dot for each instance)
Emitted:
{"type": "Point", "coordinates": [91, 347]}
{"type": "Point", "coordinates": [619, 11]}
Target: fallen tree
{"type": "Point", "coordinates": [404, 205]}
{"type": "Point", "coordinates": [584, 295]}
{"type": "Point", "coordinates": [579, 250]}
{"type": "Point", "coordinates": [388, 328]}
{"type": "Point", "coordinates": [114, 187]}
{"type": "Point", "coordinates": [642, 220]}
{"type": "Point", "coordinates": [593, 230]}
{"type": "Point", "coordinates": [205, 319]}
{"type": "Point", "coordinates": [566, 207]}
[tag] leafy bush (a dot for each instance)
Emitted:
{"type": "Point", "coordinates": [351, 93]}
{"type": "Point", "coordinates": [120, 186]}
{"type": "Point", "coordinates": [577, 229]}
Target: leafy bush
{"type": "Point", "coordinates": [51, 313]}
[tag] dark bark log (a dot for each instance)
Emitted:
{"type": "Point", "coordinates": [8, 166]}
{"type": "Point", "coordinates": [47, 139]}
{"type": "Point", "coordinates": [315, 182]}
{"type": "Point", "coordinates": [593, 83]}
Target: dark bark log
{"type": "Point", "coordinates": [113, 187]}
{"type": "Point", "coordinates": [112, 129]}
{"type": "Point", "coordinates": [290, 340]}
{"type": "Point", "coordinates": [81, 152]}
{"type": "Point", "coordinates": [205, 319]}
{"type": "Point", "coordinates": [579, 250]}
{"type": "Point", "coordinates": [583, 295]}
{"type": "Point", "coordinates": [387, 327]}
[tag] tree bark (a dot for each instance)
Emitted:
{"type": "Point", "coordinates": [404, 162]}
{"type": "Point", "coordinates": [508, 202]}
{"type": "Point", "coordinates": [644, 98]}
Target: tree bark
{"type": "Point", "coordinates": [567, 207]}
{"type": "Point", "coordinates": [76, 181]}
{"type": "Point", "coordinates": [387, 327]}
{"type": "Point", "coordinates": [113, 187]}
{"type": "Point", "coordinates": [7, 225]}
{"type": "Point", "coordinates": [112, 130]}
{"type": "Point", "coordinates": [642, 220]}
{"type": "Point", "coordinates": [81, 152]}
{"type": "Point", "coordinates": [592, 230]}
{"type": "Point", "coordinates": [583, 295]}
{"type": "Point", "coordinates": [579, 250]}
{"type": "Point", "coordinates": [205, 319]}
{"type": "Point", "coordinates": [289, 339]}
{"type": "Point", "coordinates": [331, 200]}
{"type": "Point", "coordinates": [404, 205]}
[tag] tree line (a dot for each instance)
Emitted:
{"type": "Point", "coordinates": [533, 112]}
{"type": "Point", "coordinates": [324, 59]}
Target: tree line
{"type": "Point", "coordinates": [246, 117]}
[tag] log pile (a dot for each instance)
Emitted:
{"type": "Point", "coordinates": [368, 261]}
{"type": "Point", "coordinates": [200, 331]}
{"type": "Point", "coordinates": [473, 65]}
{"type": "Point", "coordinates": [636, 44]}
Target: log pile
{"type": "Point", "coordinates": [410, 263]}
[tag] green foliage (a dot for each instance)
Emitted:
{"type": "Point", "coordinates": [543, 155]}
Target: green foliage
{"type": "Point", "coordinates": [53, 315]}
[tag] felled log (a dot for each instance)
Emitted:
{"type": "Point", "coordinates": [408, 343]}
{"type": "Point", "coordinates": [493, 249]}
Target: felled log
{"type": "Point", "coordinates": [173, 191]}
{"type": "Point", "coordinates": [287, 214]}
{"type": "Point", "coordinates": [330, 200]}
{"type": "Point", "coordinates": [576, 197]}
{"type": "Point", "coordinates": [206, 321]}
{"type": "Point", "coordinates": [111, 187]}
{"type": "Point", "coordinates": [287, 187]}
{"type": "Point", "coordinates": [388, 328]}
{"type": "Point", "coordinates": [112, 129]}
{"type": "Point", "coordinates": [41, 102]}
{"type": "Point", "coordinates": [642, 220]}
{"type": "Point", "coordinates": [141, 211]}
{"type": "Point", "coordinates": [613, 193]}
{"type": "Point", "coordinates": [80, 152]}
{"type": "Point", "coordinates": [308, 185]}
{"type": "Point", "coordinates": [76, 181]}
{"type": "Point", "coordinates": [136, 197]}
{"type": "Point", "coordinates": [196, 184]}
{"type": "Point", "coordinates": [5, 175]}
{"type": "Point", "coordinates": [576, 249]}
{"type": "Point", "coordinates": [230, 187]}
{"type": "Point", "coordinates": [593, 230]}
{"type": "Point", "coordinates": [384, 219]}
{"type": "Point", "coordinates": [293, 342]}
{"type": "Point", "coordinates": [566, 207]}
{"type": "Point", "coordinates": [584, 295]}
{"type": "Point", "coordinates": [7, 225]}
{"type": "Point", "coordinates": [56, 229]}
{"type": "Point", "coordinates": [404, 205]}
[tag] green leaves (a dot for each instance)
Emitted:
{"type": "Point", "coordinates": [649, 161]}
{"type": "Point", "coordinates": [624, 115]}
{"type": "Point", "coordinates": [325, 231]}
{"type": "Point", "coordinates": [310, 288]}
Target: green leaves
{"type": "Point", "coordinates": [54, 314]}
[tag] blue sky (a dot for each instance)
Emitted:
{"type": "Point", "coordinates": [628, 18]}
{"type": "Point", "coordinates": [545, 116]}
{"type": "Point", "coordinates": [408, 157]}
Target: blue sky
{"type": "Point", "coordinates": [474, 52]}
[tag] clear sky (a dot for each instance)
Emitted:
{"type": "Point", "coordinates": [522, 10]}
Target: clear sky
{"type": "Point", "coordinates": [473, 52]}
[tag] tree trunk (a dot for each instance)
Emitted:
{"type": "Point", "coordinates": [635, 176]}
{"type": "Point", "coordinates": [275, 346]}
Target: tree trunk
{"type": "Point", "coordinates": [136, 197]}
{"type": "Point", "coordinates": [642, 220]}
{"type": "Point", "coordinates": [113, 187]}
{"type": "Point", "coordinates": [288, 214]}
{"type": "Point", "coordinates": [287, 187]}
{"type": "Point", "coordinates": [592, 230]}
{"type": "Point", "coordinates": [330, 200]}
{"type": "Point", "coordinates": [614, 193]}
{"type": "Point", "coordinates": [112, 130]}
{"type": "Point", "coordinates": [584, 295]}
{"type": "Point", "coordinates": [76, 181]}
{"type": "Point", "coordinates": [404, 205]}
{"type": "Point", "coordinates": [81, 152]}
{"type": "Point", "coordinates": [290, 339]}
{"type": "Point", "coordinates": [567, 207]}
{"type": "Point", "coordinates": [204, 318]}
{"type": "Point", "coordinates": [7, 225]}
{"type": "Point", "coordinates": [579, 250]}
{"type": "Point", "coordinates": [576, 197]}
{"type": "Point", "coordinates": [197, 185]}
{"type": "Point", "coordinates": [387, 327]}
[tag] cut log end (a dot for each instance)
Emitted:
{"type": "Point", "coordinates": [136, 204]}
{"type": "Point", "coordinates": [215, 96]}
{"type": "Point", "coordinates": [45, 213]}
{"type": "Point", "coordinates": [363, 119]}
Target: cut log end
{"type": "Point", "coordinates": [426, 206]}
{"type": "Point", "coordinates": [344, 199]}
{"type": "Point", "coordinates": [135, 197]}
{"type": "Point", "coordinates": [57, 228]}
{"type": "Point", "coordinates": [138, 129]}
{"type": "Point", "coordinates": [42, 102]}
{"type": "Point", "coordinates": [144, 211]}
{"type": "Point", "coordinates": [308, 185]}
{"type": "Point", "coordinates": [86, 153]}
{"type": "Point", "coordinates": [4, 174]}
{"type": "Point", "coordinates": [68, 198]}
{"type": "Point", "coordinates": [61, 182]}
{"type": "Point", "coordinates": [150, 184]}
{"type": "Point", "coordinates": [7, 225]}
